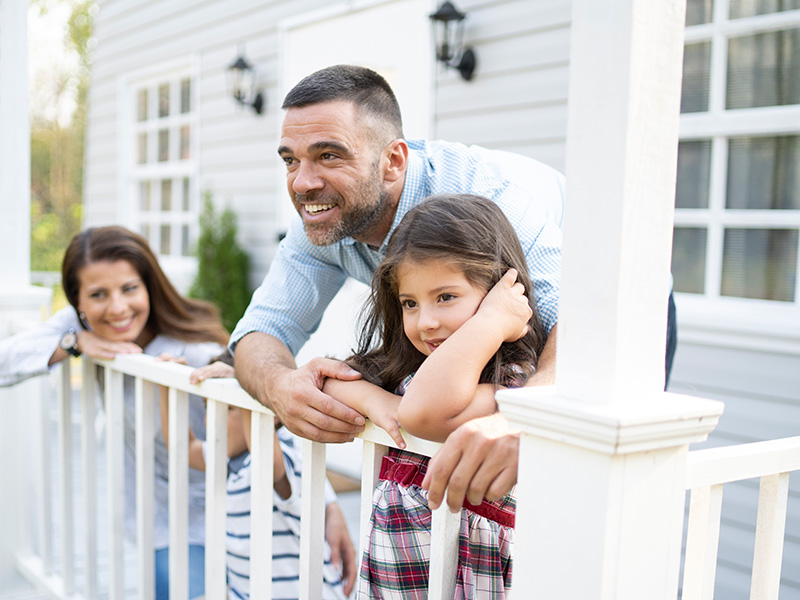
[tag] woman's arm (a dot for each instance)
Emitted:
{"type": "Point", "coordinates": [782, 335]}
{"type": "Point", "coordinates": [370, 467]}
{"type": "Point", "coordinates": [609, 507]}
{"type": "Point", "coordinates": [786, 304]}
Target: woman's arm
{"type": "Point", "coordinates": [372, 401]}
{"type": "Point", "coordinates": [445, 391]}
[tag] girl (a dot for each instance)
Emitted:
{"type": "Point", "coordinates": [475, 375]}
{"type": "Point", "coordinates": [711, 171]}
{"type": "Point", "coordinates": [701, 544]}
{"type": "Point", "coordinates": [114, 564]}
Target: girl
{"type": "Point", "coordinates": [451, 320]}
{"type": "Point", "coordinates": [286, 502]}
{"type": "Point", "coordinates": [121, 302]}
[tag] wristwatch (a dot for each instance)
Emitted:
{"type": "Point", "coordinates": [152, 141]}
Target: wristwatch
{"type": "Point", "coordinates": [69, 343]}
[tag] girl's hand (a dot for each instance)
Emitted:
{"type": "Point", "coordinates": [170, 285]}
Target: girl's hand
{"type": "Point", "coordinates": [93, 345]}
{"type": "Point", "coordinates": [507, 306]}
{"type": "Point", "coordinates": [215, 370]}
{"type": "Point", "coordinates": [382, 410]}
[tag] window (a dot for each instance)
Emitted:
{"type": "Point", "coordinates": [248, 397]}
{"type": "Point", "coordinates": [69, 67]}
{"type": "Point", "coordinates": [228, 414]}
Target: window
{"type": "Point", "coordinates": [164, 166]}
{"type": "Point", "coordinates": [737, 201]}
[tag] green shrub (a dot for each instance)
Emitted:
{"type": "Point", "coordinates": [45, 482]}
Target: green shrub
{"type": "Point", "coordinates": [222, 266]}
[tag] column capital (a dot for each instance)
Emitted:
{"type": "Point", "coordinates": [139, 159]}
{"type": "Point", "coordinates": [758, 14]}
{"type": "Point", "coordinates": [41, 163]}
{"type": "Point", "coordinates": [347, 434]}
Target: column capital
{"type": "Point", "coordinates": [663, 420]}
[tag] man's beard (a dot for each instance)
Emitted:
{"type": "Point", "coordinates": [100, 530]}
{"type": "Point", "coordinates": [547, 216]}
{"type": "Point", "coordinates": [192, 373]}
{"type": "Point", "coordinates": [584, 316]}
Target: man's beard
{"type": "Point", "coordinates": [370, 208]}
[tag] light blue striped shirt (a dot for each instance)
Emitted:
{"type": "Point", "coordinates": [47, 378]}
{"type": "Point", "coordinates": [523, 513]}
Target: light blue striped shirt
{"type": "Point", "coordinates": [303, 278]}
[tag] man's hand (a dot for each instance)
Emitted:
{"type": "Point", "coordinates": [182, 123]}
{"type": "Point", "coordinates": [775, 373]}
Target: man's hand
{"type": "Point", "coordinates": [301, 406]}
{"type": "Point", "coordinates": [478, 460]}
{"type": "Point", "coordinates": [343, 554]}
{"type": "Point", "coordinates": [266, 369]}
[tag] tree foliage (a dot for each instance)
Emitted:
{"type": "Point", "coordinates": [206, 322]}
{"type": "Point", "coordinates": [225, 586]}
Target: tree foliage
{"type": "Point", "coordinates": [57, 148]}
{"type": "Point", "coordinates": [223, 268]}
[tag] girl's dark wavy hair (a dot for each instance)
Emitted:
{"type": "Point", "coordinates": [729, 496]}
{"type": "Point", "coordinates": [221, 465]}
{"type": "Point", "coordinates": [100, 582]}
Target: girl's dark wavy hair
{"type": "Point", "coordinates": [171, 314]}
{"type": "Point", "coordinates": [472, 234]}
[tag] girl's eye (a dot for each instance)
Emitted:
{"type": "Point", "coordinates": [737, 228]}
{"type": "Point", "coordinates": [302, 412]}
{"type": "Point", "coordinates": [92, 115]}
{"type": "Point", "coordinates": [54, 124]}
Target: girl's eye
{"type": "Point", "coordinates": [408, 304]}
{"type": "Point", "coordinates": [446, 297]}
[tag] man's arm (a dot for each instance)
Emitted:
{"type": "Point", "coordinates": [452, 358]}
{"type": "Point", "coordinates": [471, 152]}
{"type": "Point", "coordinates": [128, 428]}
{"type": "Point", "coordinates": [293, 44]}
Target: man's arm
{"type": "Point", "coordinates": [266, 370]}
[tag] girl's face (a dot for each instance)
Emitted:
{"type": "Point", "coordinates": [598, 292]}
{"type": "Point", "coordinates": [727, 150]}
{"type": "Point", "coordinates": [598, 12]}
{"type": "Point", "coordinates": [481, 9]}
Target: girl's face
{"type": "Point", "coordinates": [436, 299]}
{"type": "Point", "coordinates": [115, 301]}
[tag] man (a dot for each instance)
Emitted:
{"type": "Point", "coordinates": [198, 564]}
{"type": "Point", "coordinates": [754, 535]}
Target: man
{"type": "Point", "coordinates": [351, 177]}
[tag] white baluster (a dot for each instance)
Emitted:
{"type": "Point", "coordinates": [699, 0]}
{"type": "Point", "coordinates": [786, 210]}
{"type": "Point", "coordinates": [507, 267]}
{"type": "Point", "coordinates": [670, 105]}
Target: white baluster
{"type": "Point", "coordinates": [115, 461]}
{"type": "Point", "coordinates": [178, 495]}
{"type": "Point", "coordinates": [773, 498]}
{"type": "Point", "coordinates": [45, 505]}
{"type": "Point", "coordinates": [89, 458]}
{"type": "Point", "coordinates": [702, 543]}
{"type": "Point", "coordinates": [216, 483]}
{"type": "Point", "coordinates": [145, 496]}
{"type": "Point", "coordinates": [312, 521]}
{"type": "Point", "coordinates": [444, 553]}
{"type": "Point", "coordinates": [65, 460]}
{"type": "Point", "coordinates": [261, 456]}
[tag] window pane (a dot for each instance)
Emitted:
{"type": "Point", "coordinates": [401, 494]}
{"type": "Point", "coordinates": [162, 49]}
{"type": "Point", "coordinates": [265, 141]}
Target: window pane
{"type": "Point", "coordinates": [694, 169]}
{"type": "Point", "coordinates": [749, 8]}
{"type": "Point", "coordinates": [764, 69]}
{"type": "Point", "coordinates": [144, 195]}
{"type": "Point", "coordinates": [698, 11]}
{"type": "Point", "coordinates": [163, 100]}
{"type": "Point", "coordinates": [145, 231]}
{"type": "Point", "coordinates": [186, 96]}
{"type": "Point", "coordinates": [185, 194]}
{"type": "Point", "coordinates": [185, 141]}
{"type": "Point", "coordinates": [165, 240]}
{"type": "Point", "coordinates": [696, 68]}
{"type": "Point", "coordinates": [141, 148]}
{"type": "Point", "coordinates": [141, 105]}
{"type": "Point", "coordinates": [689, 259]}
{"type": "Point", "coordinates": [166, 195]}
{"type": "Point", "coordinates": [185, 241]}
{"type": "Point", "coordinates": [760, 263]}
{"type": "Point", "coordinates": [163, 145]}
{"type": "Point", "coordinates": [764, 173]}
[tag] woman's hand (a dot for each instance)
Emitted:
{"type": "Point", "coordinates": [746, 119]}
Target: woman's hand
{"type": "Point", "coordinates": [93, 345]}
{"type": "Point", "coordinates": [508, 307]}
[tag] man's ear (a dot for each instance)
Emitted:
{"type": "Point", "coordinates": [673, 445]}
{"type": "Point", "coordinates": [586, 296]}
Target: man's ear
{"type": "Point", "coordinates": [395, 161]}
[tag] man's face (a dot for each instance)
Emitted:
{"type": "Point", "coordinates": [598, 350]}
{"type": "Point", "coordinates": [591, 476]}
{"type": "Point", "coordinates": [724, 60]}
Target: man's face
{"type": "Point", "coordinates": [334, 174]}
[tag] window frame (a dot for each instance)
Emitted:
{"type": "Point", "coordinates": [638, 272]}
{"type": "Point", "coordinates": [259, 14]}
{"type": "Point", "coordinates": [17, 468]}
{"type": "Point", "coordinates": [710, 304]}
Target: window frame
{"type": "Point", "coordinates": [179, 267]}
{"type": "Point", "coordinates": [711, 317]}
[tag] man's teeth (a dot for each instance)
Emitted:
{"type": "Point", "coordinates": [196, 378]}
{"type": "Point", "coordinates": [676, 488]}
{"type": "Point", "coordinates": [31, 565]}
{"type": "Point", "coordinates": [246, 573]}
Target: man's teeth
{"type": "Point", "coordinates": [318, 208]}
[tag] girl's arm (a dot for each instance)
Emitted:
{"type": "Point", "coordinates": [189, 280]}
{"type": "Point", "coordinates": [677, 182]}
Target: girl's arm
{"type": "Point", "coordinates": [280, 481]}
{"type": "Point", "coordinates": [196, 457]}
{"type": "Point", "coordinates": [372, 401]}
{"type": "Point", "coordinates": [445, 391]}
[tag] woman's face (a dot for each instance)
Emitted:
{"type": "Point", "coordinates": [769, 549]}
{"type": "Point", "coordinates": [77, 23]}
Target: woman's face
{"type": "Point", "coordinates": [115, 301]}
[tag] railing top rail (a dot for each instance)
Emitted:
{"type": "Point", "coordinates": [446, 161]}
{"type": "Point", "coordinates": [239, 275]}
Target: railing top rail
{"type": "Point", "coordinates": [176, 376]}
{"type": "Point", "coordinates": [229, 391]}
{"type": "Point", "coordinates": [743, 461]}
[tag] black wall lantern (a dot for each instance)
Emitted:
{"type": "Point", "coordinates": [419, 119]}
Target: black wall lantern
{"type": "Point", "coordinates": [448, 32]}
{"type": "Point", "coordinates": [242, 84]}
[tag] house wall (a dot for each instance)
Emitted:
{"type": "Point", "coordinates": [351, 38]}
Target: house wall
{"type": "Point", "coordinates": [517, 102]}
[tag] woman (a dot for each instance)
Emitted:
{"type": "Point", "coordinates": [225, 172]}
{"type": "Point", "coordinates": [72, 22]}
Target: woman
{"type": "Point", "coordinates": [122, 303]}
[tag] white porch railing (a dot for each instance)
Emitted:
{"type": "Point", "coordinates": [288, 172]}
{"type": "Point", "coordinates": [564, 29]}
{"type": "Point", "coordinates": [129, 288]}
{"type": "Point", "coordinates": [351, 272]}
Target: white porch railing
{"type": "Point", "coordinates": [60, 579]}
{"type": "Point", "coordinates": [707, 471]}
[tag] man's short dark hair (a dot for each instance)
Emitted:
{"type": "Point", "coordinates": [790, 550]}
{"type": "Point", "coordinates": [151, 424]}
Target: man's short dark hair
{"type": "Point", "coordinates": [365, 88]}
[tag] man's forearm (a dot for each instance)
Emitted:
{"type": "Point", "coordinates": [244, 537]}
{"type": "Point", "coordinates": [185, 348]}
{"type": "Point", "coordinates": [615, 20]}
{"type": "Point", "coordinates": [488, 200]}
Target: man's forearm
{"type": "Point", "coordinates": [257, 360]}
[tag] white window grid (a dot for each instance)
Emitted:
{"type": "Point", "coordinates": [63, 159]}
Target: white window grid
{"type": "Point", "coordinates": [173, 169]}
{"type": "Point", "coordinates": [718, 125]}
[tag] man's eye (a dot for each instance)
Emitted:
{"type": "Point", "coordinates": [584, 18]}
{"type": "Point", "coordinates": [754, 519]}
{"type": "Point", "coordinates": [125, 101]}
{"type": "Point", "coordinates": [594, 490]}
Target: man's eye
{"type": "Point", "coordinates": [288, 160]}
{"type": "Point", "coordinates": [327, 156]}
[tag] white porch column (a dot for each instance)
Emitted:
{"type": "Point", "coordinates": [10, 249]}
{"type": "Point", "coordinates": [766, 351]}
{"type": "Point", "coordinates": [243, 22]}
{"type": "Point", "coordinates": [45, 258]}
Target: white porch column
{"type": "Point", "coordinates": [603, 453]}
{"type": "Point", "coordinates": [19, 301]}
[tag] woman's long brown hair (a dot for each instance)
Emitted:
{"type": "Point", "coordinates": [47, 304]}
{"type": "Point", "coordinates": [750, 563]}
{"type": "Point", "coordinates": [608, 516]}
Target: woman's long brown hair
{"type": "Point", "coordinates": [171, 314]}
{"type": "Point", "coordinates": [472, 234]}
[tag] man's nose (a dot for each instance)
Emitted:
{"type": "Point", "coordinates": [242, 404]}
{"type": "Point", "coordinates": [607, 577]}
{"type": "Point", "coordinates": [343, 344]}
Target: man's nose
{"type": "Point", "coordinates": [306, 178]}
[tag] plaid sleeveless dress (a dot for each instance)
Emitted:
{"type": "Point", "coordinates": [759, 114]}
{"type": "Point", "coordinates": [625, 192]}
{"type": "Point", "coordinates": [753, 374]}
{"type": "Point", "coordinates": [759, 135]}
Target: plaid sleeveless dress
{"type": "Point", "coordinates": [397, 551]}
